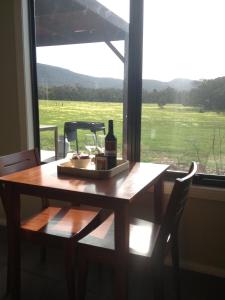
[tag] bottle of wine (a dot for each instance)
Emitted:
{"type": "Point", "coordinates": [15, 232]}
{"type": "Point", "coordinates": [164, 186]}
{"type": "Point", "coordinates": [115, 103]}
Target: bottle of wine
{"type": "Point", "coordinates": [111, 146]}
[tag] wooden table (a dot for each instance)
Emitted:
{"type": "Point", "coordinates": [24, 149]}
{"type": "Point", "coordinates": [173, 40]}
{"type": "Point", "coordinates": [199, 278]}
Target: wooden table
{"type": "Point", "coordinates": [116, 193]}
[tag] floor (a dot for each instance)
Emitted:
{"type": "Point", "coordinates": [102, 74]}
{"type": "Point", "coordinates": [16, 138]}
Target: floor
{"type": "Point", "coordinates": [42, 281]}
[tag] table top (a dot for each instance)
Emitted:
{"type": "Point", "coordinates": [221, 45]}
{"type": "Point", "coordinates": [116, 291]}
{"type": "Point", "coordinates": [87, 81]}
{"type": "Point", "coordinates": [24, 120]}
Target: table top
{"type": "Point", "coordinates": [124, 186]}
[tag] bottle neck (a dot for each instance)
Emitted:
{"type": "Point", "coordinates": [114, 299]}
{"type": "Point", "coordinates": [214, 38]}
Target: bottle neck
{"type": "Point", "coordinates": [110, 127]}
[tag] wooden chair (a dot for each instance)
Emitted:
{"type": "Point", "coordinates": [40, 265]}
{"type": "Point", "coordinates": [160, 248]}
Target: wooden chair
{"type": "Point", "coordinates": [63, 226]}
{"type": "Point", "coordinates": [148, 242]}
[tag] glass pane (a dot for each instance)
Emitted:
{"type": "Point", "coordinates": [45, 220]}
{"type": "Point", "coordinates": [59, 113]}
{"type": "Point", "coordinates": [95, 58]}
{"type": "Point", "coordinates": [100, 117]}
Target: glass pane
{"type": "Point", "coordinates": [80, 73]}
{"type": "Point", "coordinates": [183, 84]}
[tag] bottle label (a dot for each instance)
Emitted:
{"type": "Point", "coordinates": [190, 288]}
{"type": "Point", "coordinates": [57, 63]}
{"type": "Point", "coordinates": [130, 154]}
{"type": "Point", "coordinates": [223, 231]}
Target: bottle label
{"type": "Point", "coordinates": [110, 148]}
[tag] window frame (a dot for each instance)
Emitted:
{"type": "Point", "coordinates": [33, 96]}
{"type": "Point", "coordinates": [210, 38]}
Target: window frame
{"type": "Point", "coordinates": [33, 70]}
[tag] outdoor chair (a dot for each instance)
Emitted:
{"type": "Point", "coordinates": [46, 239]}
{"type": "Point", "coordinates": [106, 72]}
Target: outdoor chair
{"type": "Point", "coordinates": [150, 250]}
{"type": "Point", "coordinates": [53, 225]}
{"type": "Point", "coordinates": [70, 131]}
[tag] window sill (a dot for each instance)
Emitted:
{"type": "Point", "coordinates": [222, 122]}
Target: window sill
{"type": "Point", "coordinates": [207, 180]}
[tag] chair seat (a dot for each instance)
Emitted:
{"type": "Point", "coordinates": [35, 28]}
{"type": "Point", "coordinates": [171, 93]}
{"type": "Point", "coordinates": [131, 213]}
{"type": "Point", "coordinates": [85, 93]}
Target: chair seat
{"type": "Point", "coordinates": [60, 222]}
{"type": "Point", "coordinates": [143, 236]}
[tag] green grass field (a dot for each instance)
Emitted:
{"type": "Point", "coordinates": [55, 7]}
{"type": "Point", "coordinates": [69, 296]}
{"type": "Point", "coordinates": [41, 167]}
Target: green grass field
{"type": "Point", "coordinates": [174, 134]}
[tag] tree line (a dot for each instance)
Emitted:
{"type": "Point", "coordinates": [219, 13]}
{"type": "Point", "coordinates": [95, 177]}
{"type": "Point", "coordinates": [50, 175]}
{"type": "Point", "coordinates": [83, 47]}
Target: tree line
{"type": "Point", "coordinates": [80, 93]}
{"type": "Point", "coordinates": [205, 94]}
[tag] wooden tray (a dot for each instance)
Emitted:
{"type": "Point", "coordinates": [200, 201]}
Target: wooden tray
{"type": "Point", "coordinates": [67, 168]}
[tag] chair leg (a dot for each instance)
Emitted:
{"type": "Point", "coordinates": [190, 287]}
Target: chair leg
{"type": "Point", "coordinates": [43, 250]}
{"type": "Point", "coordinates": [8, 278]}
{"type": "Point", "coordinates": [82, 277]}
{"type": "Point", "coordinates": [69, 270]}
{"type": "Point", "coordinates": [176, 266]}
{"type": "Point", "coordinates": [158, 285]}
{"type": "Point", "coordinates": [43, 254]}
{"type": "Point", "coordinates": [121, 283]}
{"type": "Point", "coordinates": [8, 262]}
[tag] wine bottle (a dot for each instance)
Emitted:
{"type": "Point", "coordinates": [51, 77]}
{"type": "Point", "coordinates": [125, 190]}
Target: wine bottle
{"type": "Point", "coordinates": [111, 146]}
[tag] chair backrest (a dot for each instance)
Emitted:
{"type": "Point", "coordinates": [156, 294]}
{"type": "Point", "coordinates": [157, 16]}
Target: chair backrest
{"type": "Point", "coordinates": [70, 128]}
{"type": "Point", "coordinates": [18, 161]}
{"type": "Point", "coordinates": [175, 208]}
{"type": "Point", "coordinates": [70, 131]}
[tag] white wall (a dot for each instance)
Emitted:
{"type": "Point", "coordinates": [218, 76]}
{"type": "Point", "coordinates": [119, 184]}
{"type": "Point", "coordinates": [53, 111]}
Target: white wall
{"type": "Point", "coordinates": [202, 238]}
{"type": "Point", "coordinates": [14, 97]}
{"type": "Point", "coordinates": [16, 129]}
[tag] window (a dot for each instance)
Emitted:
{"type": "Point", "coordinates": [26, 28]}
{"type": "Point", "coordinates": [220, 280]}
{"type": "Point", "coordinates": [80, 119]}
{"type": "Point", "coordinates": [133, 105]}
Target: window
{"type": "Point", "coordinates": [181, 114]}
{"type": "Point", "coordinates": [183, 101]}
{"type": "Point", "coordinates": [80, 54]}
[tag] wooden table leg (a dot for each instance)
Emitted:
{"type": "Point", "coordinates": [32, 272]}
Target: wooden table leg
{"type": "Point", "coordinates": [158, 199]}
{"type": "Point", "coordinates": [13, 223]}
{"type": "Point", "coordinates": [122, 252]}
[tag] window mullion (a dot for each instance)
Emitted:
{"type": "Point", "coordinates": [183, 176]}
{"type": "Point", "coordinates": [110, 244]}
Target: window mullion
{"type": "Point", "coordinates": [132, 115]}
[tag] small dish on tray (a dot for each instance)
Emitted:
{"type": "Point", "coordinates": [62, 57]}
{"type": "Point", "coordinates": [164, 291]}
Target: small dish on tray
{"type": "Point", "coordinates": [68, 168]}
{"type": "Point", "coordinates": [80, 160]}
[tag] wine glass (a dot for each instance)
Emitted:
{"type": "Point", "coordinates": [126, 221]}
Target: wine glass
{"type": "Point", "coordinates": [101, 143]}
{"type": "Point", "coordinates": [90, 143]}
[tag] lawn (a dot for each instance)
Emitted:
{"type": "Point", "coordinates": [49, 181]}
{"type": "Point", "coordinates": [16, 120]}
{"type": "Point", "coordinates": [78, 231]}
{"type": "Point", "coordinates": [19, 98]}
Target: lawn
{"type": "Point", "coordinates": [174, 134]}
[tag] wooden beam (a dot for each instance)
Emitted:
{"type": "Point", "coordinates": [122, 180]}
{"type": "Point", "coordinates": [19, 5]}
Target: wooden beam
{"type": "Point", "coordinates": [116, 51]}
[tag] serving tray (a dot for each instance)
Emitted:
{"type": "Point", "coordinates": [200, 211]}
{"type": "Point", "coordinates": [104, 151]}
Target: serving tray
{"type": "Point", "coordinates": [67, 168]}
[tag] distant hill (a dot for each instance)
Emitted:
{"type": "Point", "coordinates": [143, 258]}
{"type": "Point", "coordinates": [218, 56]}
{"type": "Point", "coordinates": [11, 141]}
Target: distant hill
{"type": "Point", "coordinates": [55, 76]}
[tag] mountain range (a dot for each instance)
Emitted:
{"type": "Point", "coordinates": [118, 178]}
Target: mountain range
{"type": "Point", "coordinates": [56, 76]}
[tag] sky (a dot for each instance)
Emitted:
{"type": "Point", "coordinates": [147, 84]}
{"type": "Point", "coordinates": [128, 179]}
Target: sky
{"type": "Point", "coordinates": [182, 39]}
